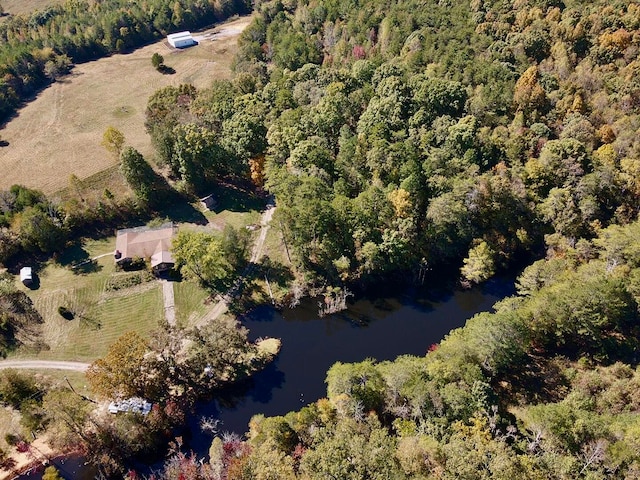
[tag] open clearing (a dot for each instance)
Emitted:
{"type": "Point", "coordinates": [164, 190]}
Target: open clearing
{"type": "Point", "coordinates": [100, 316]}
{"type": "Point", "coordinates": [19, 7]}
{"type": "Point", "coordinates": [60, 132]}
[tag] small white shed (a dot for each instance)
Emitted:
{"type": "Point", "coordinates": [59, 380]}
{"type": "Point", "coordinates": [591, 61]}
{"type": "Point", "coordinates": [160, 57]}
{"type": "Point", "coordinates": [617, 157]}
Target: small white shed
{"type": "Point", "coordinates": [181, 39]}
{"type": "Point", "coordinates": [26, 275]}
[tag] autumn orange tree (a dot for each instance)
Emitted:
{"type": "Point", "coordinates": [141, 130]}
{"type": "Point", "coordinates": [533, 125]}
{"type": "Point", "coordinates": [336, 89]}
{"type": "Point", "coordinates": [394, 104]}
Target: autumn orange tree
{"type": "Point", "coordinates": [119, 372]}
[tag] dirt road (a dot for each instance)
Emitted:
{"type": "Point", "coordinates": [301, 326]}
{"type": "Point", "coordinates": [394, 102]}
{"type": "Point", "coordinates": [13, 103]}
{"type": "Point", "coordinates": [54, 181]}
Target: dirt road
{"type": "Point", "coordinates": [44, 364]}
{"type": "Point", "coordinates": [256, 253]}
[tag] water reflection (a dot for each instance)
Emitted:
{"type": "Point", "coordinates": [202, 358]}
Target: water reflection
{"type": "Point", "coordinates": [71, 467]}
{"type": "Point", "coordinates": [380, 328]}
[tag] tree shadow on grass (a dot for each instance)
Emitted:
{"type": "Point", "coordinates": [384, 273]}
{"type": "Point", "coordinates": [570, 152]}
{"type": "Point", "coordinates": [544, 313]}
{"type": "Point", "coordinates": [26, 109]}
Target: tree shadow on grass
{"type": "Point", "coordinates": [89, 322]}
{"type": "Point", "coordinates": [253, 292]}
{"type": "Point", "coordinates": [78, 260]}
{"type": "Point", "coordinates": [175, 206]}
{"type": "Point", "coordinates": [166, 70]}
{"type": "Point", "coordinates": [275, 272]}
{"type": "Point", "coordinates": [236, 198]}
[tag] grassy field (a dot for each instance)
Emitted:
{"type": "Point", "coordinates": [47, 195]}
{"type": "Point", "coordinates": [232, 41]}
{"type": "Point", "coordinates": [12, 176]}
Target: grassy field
{"type": "Point", "coordinates": [60, 132]}
{"type": "Point", "coordinates": [100, 316]}
{"type": "Point", "coordinates": [190, 301]}
{"type": "Point", "coordinates": [18, 7]}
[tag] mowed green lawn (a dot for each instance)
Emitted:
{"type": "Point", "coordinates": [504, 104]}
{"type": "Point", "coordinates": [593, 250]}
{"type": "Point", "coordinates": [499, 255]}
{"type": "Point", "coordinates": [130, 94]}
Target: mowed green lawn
{"type": "Point", "coordinates": [190, 302]}
{"type": "Point", "coordinates": [100, 316]}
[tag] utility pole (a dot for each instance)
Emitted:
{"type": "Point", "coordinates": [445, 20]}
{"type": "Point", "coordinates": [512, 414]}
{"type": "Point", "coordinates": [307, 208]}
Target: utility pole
{"type": "Point", "coordinates": [79, 394]}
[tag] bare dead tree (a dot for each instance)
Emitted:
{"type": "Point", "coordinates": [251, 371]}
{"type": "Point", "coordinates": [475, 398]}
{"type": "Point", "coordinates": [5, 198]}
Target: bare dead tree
{"type": "Point", "coordinates": [593, 452]}
{"type": "Point", "coordinates": [334, 303]}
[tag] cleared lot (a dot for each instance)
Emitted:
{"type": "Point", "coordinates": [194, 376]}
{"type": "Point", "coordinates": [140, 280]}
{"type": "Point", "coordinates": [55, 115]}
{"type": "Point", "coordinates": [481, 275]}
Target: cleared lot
{"type": "Point", "coordinates": [59, 133]}
{"type": "Point", "coordinates": [19, 7]}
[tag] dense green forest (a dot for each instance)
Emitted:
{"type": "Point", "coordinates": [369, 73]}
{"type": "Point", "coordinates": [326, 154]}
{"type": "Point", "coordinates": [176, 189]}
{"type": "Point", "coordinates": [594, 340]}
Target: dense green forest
{"type": "Point", "coordinates": [40, 47]}
{"type": "Point", "coordinates": [400, 138]}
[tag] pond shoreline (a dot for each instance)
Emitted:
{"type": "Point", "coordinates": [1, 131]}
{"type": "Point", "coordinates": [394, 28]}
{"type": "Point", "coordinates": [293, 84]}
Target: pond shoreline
{"type": "Point", "coordinates": [38, 456]}
{"type": "Point", "coordinates": [381, 325]}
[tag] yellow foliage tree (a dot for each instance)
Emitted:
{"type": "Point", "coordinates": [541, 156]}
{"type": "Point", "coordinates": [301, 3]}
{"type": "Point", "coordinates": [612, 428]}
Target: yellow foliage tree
{"type": "Point", "coordinates": [606, 155]}
{"type": "Point", "coordinates": [400, 199]}
{"type": "Point", "coordinates": [113, 140]}
{"type": "Point", "coordinates": [256, 166]}
{"type": "Point", "coordinates": [479, 265]}
{"type": "Point", "coordinates": [528, 95]}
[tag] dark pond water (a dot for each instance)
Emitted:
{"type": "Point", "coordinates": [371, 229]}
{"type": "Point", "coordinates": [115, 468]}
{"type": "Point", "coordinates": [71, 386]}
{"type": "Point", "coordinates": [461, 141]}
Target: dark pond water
{"type": "Point", "coordinates": [73, 467]}
{"type": "Point", "coordinates": [382, 329]}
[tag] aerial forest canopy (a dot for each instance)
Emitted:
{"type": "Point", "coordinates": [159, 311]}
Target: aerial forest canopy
{"type": "Point", "coordinates": [398, 136]}
{"type": "Point", "coordinates": [37, 48]}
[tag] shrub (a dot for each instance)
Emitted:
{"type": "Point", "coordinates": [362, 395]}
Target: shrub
{"type": "Point", "coordinates": [157, 60]}
{"type": "Point", "coordinates": [127, 280]}
{"type": "Point", "coordinates": [65, 313]}
{"type": "Point", "coordinates": [11, 439]}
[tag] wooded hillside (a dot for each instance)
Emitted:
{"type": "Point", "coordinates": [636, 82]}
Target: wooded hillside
{"type": "Point", "coordinates": [406, 136]}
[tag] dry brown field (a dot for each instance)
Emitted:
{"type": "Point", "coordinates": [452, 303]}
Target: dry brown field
{"type": "Point", "coordinates": [60, 132]}
{"type": "Point", "coordinates": [18, 7]}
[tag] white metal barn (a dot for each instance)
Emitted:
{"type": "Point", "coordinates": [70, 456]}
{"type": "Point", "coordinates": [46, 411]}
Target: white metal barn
{"type": "Point", "coordinates": [181, 39]}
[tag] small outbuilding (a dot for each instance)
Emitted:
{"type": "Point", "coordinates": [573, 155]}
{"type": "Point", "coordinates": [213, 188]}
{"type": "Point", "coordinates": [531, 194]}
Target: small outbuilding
{"type": "Point", "coordinates": [181, 40]}
{"type": "Point", "coordinates": [208, 202]}
{"type": "Point", "coordinates": [26, 275]}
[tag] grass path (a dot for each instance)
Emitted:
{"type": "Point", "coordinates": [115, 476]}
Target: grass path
{"type": "Point", "coordinates": [44, 364]}
{"type": "Point", "coordinates": [169, 302]}
{"type": "Point", "coordinates": [256, 253]}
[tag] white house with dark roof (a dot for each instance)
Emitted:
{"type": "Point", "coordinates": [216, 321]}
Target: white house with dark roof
{"type": "Point", "coordinates": [152, 244]}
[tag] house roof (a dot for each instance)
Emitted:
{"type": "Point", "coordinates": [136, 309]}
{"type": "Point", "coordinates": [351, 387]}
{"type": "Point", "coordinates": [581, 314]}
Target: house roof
{"type": "Point", "coordinates": [179, 36]}
{"type": "Point", "coordinates": [144, 242]}
{"type": "Point", "coordinates": [161, 257]}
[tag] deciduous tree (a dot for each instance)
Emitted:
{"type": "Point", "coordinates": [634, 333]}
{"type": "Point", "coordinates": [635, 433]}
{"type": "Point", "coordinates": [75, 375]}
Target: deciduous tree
{"type": "Point", "coordinates": [119, 373]}
{"type": "Point", "coordinates": [479, 265]}
{"type": "Point", "coordinates": [113, 140]}
{"type": "Point", "coordinates": [201, 256]}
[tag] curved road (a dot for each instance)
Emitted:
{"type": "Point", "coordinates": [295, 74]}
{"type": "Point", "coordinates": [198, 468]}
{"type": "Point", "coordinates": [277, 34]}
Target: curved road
{"type": "Point", "coordinates": [44, 364]}
{"type": "Point", "coordinates": [256, 253]}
